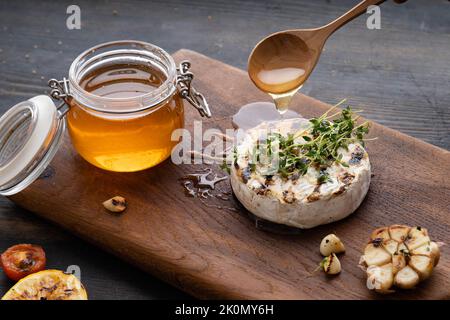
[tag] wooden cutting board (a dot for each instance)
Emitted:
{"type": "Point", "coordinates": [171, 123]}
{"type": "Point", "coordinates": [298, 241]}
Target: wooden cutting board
{"type": "Point", "coordinates": [218, 253]}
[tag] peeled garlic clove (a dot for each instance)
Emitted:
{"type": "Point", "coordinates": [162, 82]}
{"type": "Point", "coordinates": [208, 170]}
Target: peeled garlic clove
{"type": "Point", "coordinates": [331, 244]}
{"type": "Point", "coordinates": [398, 262]}
{"type": "Point", "coordinates": [406, 278]}
{"type": "Point", "coordinates": [423, 265]}
{"type": "Point", "coordinates": [380, 278]}
{"type": "Point", "coordinates": [399, 232]}
{"type": "Point", "coordinates": [116, 204]}
{"type": "Point", "coordinates": [331, 264]}
{"type": "Point", "coordinates": [376, 255]}
{"type": "Point", "coordinates": [380, 233]}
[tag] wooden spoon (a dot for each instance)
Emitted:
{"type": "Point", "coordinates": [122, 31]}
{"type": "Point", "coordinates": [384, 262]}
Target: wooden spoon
{"type": "Point", "coordinates": [281, 62]}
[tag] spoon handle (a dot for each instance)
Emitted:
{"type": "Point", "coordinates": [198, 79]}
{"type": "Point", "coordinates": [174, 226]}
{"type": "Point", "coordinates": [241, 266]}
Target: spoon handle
{"type": "Point", "coordinates": [356, 11]}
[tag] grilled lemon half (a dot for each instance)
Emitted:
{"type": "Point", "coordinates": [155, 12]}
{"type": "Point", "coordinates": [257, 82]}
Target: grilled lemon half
{"type": "Point", "coordinates": [47, 285]}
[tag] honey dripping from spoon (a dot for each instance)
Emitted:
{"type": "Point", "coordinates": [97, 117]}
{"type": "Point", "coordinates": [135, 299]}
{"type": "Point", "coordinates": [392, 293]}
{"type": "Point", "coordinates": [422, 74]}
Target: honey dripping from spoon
{"type": "Point", "coordinates": [279, 67]}
{"type": "Point", "coordinates": [280, 63]}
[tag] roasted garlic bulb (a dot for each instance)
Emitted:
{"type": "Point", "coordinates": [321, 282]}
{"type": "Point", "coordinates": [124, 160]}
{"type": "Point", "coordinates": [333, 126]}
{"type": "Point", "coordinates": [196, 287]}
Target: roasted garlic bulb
{"type": "Point", "coordinates": [398, 256]}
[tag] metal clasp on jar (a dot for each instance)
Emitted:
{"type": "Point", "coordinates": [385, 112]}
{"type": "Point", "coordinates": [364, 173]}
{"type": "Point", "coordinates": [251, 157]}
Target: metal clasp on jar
{"type": "Point", "coordinates": [61, 91]}
{"type": "Point", "coordinates": [188, 92]}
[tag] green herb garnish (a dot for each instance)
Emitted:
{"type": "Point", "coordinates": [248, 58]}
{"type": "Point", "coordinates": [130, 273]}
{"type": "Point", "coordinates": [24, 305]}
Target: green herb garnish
{"type": "Point", "coordinates": [319, 146]}
{"type": "Point", "coordinates": [224, 166]}
{"type": "Point", "coordinates": [323, 177]}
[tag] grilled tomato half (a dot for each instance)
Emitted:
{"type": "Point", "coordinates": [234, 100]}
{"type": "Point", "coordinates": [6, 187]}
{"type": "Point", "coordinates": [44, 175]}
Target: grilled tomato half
{"type": "Point", "coordinates": [21, 260]}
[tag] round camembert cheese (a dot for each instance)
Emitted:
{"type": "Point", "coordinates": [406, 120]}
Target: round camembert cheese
{"type": "Point", "coordinates": [299, 200]}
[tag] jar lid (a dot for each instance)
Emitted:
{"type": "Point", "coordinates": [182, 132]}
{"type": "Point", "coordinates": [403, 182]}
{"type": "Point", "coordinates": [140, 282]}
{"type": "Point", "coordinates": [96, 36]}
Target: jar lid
{"type": "Point", "coordinates": [30, 133]}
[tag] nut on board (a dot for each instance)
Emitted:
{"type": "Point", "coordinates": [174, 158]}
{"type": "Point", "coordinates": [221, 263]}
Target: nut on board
{"type": "Point", "coordinates": [116, 204]}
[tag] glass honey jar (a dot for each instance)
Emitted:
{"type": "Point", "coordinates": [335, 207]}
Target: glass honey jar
{"type": "Point", "coordinates": [120, 104]}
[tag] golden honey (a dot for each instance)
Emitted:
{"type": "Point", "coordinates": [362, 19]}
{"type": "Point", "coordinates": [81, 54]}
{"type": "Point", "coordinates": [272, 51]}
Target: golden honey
{"type": "Point", "coordinates": [278, 67]}
{"type": "Point", "coordinates": [124, 142]}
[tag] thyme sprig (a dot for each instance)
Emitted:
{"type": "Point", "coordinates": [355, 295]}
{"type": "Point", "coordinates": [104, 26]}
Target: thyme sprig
{"type": "Point", "coordinates": [319, 145]}
{"type": "Point", "coordinates": [224, 165]}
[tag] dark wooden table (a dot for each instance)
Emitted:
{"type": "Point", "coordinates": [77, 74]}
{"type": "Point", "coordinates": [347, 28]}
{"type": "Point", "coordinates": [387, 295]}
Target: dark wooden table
{"type": "Point", "coordinates": [399, 75]}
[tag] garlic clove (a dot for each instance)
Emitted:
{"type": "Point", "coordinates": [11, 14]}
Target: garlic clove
{"type": "Point", "coordinates": [398, 262]}
{"type": "Point", "coordinates": [435, 252]}
{"type": "Point", "coordinates": [423, 265]}
{"type": "Point", "coordinates": [116, 204]}
{"type": "Point", "coordinates": [399, 232]}
{"type": "Point", "coordinates": [406, 278]}
{"type": "Point", "coordinates": [331, 264]}
{"type": "Point", "coordinates": [418, 231]}
{"type": "Point", "coordinates": [380, 278]}
{"type": "Point", "coordinates": [424, 250]}
{"type": "Point", "coordinates": [430, 249]}
{"type": "Point", "coordinates": [417, 237]}
{"type": "Point", "coordinates": [376, 255]}
{"type": "Point", "coordinates": [380, 233]}
{"type": "Point", "coordinates": [331, 244]}
{"type": "Point", "coordinates": [390, 246]}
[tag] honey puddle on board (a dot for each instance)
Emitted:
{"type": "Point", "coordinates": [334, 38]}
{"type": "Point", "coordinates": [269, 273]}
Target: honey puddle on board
{"type": "Point", "coordinates": [199, 185]}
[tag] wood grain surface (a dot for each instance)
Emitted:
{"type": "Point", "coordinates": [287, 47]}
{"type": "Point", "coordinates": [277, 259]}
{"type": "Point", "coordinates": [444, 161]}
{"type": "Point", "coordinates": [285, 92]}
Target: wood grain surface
{"type": "Point", "coordinates": [398, 74]}
{"type": "Point", "coordinates": [213, 253]}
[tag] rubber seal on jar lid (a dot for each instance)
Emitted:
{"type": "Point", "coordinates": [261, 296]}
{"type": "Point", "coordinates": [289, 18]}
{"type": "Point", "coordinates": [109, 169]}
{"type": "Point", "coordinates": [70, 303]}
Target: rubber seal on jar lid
{"type": "Point", "coordinates": [30, 133]}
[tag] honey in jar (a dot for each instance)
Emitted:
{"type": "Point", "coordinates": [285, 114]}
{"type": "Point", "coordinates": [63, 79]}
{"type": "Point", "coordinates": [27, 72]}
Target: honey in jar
{"type": "Point", "coordinates": [125, 100]}
{"type": "Point", "coordinates": [120, 142]}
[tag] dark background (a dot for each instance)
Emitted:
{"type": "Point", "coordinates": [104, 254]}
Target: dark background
{"type": "Point", "coordinates": [399, 75]}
